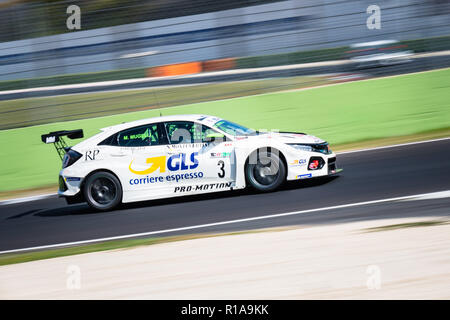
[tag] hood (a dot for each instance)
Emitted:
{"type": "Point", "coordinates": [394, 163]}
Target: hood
{"type": "Point", "coordinates": [290, 137]}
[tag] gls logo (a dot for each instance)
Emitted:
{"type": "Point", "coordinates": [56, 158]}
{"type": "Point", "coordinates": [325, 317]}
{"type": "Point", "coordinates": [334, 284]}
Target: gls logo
{"type": "Point", "coordinates": [174, 163]}
{"type": "Point", "coordinates": [178, 162]}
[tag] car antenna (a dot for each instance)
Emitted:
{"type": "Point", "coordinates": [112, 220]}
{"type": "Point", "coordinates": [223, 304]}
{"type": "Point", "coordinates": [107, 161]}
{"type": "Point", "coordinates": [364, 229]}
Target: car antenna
{"type": "Point", "coordinates": [156, 98]}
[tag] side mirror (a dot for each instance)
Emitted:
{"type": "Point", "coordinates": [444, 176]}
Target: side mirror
{"type": "Point", "coordinates": [215, 136]}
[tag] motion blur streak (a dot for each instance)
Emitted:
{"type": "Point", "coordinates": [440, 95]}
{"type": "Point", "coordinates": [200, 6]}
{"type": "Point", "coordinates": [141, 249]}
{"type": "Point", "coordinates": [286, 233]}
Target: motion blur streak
{"type": "Point", "coordinates": [369, 176]}
{"type": "Point", "coordinates": [118, 35]}
{"type": "Point", "coordinates": [121, 40]}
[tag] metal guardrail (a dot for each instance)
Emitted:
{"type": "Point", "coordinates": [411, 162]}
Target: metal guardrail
{"type": "Point", "coordinates": [272, 28]}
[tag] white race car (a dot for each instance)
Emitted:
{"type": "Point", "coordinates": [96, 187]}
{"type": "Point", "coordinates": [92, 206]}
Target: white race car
{"type": "Point", "coordinates": [379, 53]}
{"type": "Point", "coordinates": [182, 155]}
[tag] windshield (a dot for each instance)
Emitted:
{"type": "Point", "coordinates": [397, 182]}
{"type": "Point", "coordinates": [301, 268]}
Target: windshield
{"type": "Point", "coordinates": [233, 128]}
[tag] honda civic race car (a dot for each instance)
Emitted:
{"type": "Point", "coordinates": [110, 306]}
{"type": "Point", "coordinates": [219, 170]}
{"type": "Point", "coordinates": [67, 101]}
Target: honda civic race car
{"type": "Point", "coordinates": [182, 155]}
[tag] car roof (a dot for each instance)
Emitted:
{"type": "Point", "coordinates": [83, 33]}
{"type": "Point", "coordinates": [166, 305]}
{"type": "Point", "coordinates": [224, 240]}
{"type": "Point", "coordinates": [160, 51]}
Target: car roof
{"type": "Point", "coordinates": [206, 119]}
{"type": "Point", "coordinates": [373, 43]}
{"type": "Point", "coordinates": [105, 132]}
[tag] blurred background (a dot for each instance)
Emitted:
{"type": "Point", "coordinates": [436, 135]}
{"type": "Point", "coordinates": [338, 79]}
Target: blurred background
{"type": "Point", "coordinates": [121, 39]}
{"type": "Point", "coordinates": [132, 56]}
{"type": "Point", "coordinates": [119, 34]}
{"type": "Point", "coordinates": [132, 59]}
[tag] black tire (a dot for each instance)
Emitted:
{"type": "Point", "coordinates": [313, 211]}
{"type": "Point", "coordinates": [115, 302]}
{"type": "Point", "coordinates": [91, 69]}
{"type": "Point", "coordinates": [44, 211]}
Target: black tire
{"type": "Point", "coordinates": [103, 191]}
{"type": "Point", "coordinates": [265, 171]}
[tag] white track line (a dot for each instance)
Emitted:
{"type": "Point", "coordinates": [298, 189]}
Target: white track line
{"type": "Point", "coordinates": [40, 197]}
{"type": "Point", "coordinates": [432, 196]}
{"type": "Point", "coordinates": [394, 145]}
{"type": "Point", "coordinates": [27, 199]}
{"type": "Point", "coordinates": [200, 226]}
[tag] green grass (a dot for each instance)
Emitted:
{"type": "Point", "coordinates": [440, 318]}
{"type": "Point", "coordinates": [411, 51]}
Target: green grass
{"type": "Point", "coordinates": [408, 225]}
{"type": "Point", "coordinates": [32, 111]}
{"type": "Point", "coordinates": [341, 114]}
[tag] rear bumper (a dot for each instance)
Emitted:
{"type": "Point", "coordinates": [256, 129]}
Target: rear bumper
{"type": "Point", "coordinates": [70, 189]}
{"type": "Point", "coordinates": [77, 198]}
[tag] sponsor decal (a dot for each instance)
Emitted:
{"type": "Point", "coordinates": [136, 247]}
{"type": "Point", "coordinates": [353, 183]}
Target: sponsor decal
{"type": "Point", "coordinates": [168, 178]}
{"type": "Point", "coordinates": [155, 163]}
{"type": "Point", "coordinates": [178, 162]}
{"type": "Point", "coordinates": [174, 163]}
{"type": "Point", "coordinates": [298, 163]}
{"type": "Point", "coordinates": [203, 187]}
{"type": "Point", "coordinates": [220, 154]}
{"type": "Point", "coordinates": [69, 179]}
{"type": "Point", "coordinates": [304, 176]}
{"type": "Point", "coordinates": [187, 145]}
{"type": "Point", "coordinates": [91, 154]}
{"type": "Point", "coordinates": [51, 139]}
{"type": "Point", "coordinates": [138, 136]}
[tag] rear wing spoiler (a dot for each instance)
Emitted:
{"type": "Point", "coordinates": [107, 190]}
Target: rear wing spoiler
{"type": "Point", "coordinates": [57, 138]}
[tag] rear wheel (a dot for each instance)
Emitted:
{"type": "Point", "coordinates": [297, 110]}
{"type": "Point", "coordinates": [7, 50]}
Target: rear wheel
{"type": "Point", "coordinates": [265, 170]}
{"type": "Point", "coordinates": [103, 191]}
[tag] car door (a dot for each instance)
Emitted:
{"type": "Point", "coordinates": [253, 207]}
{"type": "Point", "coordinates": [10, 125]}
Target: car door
{"type": "Point", "coordinates": [218, 156]}
{"type": "Point", "coordinates": [144, 162]}
{"type": "Point", "coordinates": [197, 162]}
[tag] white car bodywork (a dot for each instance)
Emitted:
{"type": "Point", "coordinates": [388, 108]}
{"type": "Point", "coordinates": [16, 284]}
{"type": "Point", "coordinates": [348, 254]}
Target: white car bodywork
{"type": "Point", "coordinates": [170, 170]}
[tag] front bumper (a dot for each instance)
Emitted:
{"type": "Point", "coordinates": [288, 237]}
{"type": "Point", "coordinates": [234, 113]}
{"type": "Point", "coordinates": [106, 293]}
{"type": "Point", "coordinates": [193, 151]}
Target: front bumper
{"type": "Point", "coordinates": [299, 169]}
{"type": "Point", "coordinates": [332, 168]}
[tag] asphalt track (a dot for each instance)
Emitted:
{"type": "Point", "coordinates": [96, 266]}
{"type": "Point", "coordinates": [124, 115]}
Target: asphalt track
{"type": "Point", "coordinates": [368, 175]}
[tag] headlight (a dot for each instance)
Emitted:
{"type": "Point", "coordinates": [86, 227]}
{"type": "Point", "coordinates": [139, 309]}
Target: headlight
{"type": "Point", "coordinates": [318, 147]}
{"type": "Point", "coordinates": [302, 147]}
{"type": "Point", "coordinates": [70, 158]}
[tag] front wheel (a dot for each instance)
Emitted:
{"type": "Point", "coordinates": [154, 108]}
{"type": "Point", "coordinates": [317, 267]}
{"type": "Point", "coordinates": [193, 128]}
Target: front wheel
{"type": "Point", "coordinates": [265, 170]}
{"type": "Point", "coordinates": [103, 191]}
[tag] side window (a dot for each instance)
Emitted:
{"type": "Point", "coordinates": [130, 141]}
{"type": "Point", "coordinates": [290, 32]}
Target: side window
{"type": "Point", "coordinates": [207, 132]}
{"type": "Point", "coordinates": [187, 132]}
{"type": "Point", "coordinates": [110, 141]}
{"type": "Point", "coordinates": [142, 136]}
{"type": "Point", "coordinates": [180, 132]}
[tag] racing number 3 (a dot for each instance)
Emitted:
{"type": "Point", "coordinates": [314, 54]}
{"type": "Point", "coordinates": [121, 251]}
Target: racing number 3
{"type": "Point", "coordinates": [221, 165]}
